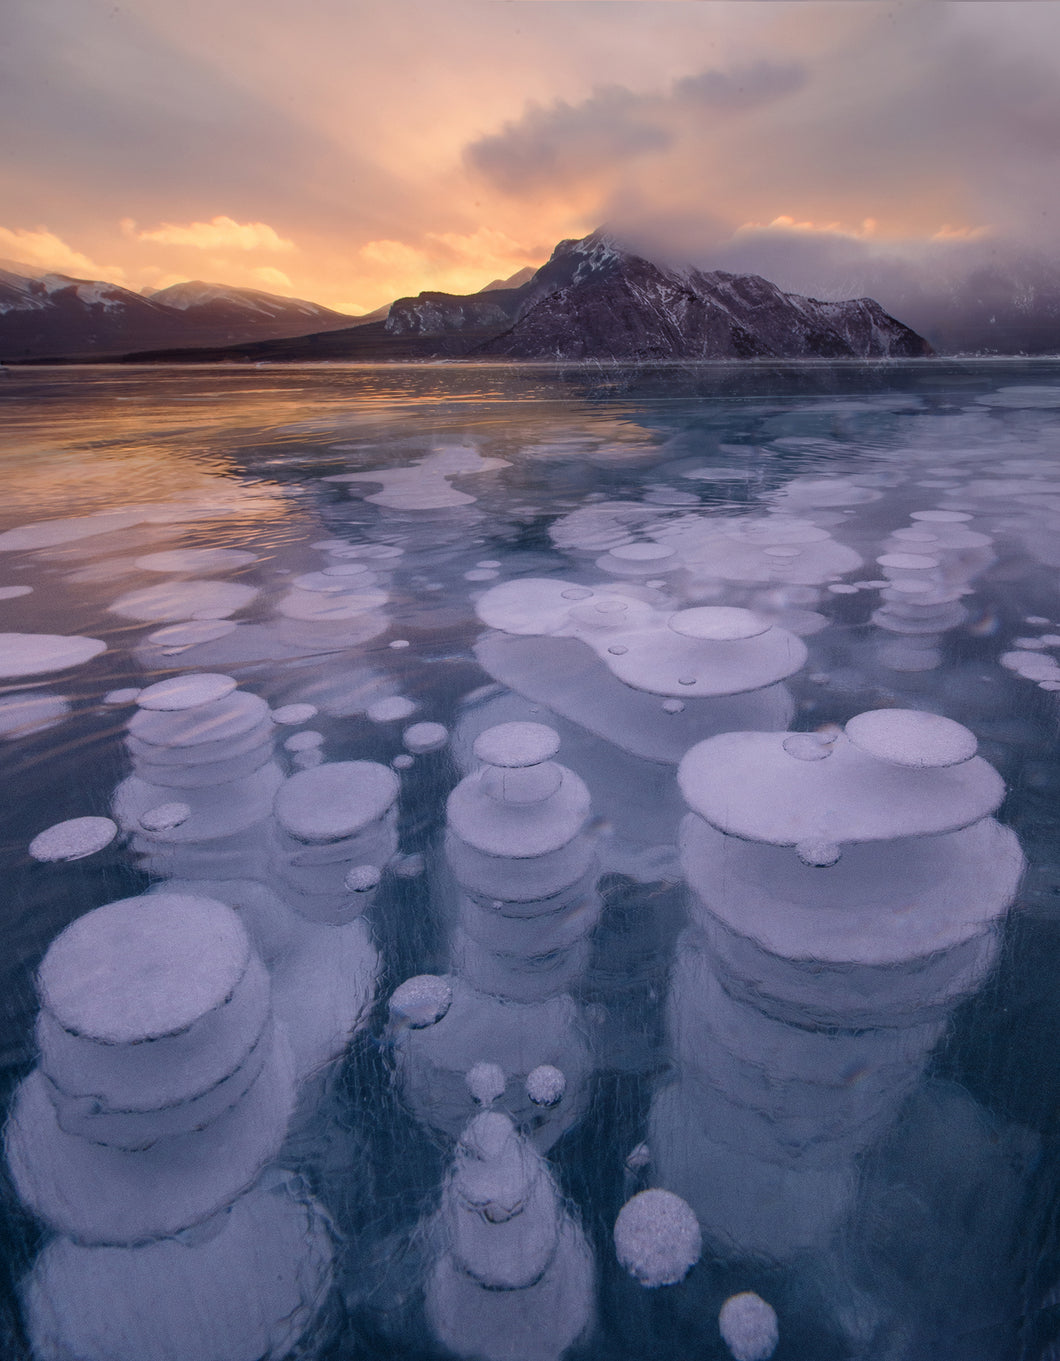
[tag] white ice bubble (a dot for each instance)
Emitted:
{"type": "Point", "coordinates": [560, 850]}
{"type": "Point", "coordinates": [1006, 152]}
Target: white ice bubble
{"type": "Point", "coordinates": [403, 761]}
{"type": "Point", "coordinates": [657, 1238]}
{"type": "Point", "coordinates": [516, 745]}
{"type": "Point", "coordinates": [35, 654]}
{"type": "Point", "coordinates": [424, 737]}
{"type": "Point", "coordinates": [910, 562]}
{"type": "Point", "coordinates": [292, 714]}
{"type": "Point", "coordinates": [336, 800]}
{"type": "Point", "coordinates": [486, 1082]}
{"type": "Point", "coordinates": [304, 740]}
{"type": "Point", "coordinates": [545, 1085]}
{"type": "Point", "coordinates": [74, 839]}
{"type": "Point", "coordinates": [421, 1001]}
{"type": "Point", "coordinates": [408, 866]}
{"type": "Point", "coordinates": [424, 485]}
{"type": "Point", "coordinates": [910, 737]}
{"type": "Point", "coordinates": [941, 517]}
{"type": "Point", "coordinates": [52, 533]}
{"type": "Point", "coordinates": [173, 600]}
{"type": "Point", "coordinates": [165, 817]}
{"type": "Point", "coordinates": [192, 633]}
{"type": "Point", "coordinates": [749, 1327]}
{"type": "Point", "coordinates": [195, 560]}
{"type": "Point", "coordinates": [143, 968]}
{"type": "Point", "coordinates": [126, 695]}
{"type": "Point", "coordinates": [13, 592]}
{"type": "Point", "coordinates": [1030, 665]}
{"type": "Point", "coordinates": [186, 692]}
{"type": "Point", "coordinates": [363, 878]}
{"type": "Point", "coordinates": [920, 778]}
{"type": "Point", "coordinates": [391, 709]}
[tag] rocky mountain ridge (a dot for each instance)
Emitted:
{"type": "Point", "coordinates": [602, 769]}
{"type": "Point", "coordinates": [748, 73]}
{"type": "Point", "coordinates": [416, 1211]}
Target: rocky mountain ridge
{"type": "Point", "coordinates": [592, 300]}
{"type": "Point", "coordinates": [55, 314]}
{"type": "Point", "coordinates": [595, 300]}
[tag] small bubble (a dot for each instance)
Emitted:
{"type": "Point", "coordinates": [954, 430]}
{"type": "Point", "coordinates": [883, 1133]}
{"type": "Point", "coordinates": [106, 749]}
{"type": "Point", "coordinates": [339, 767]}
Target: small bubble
{"type": "Point", "coordinates": [618, 650]}
{"type": "Point", "coordinates": [576, 593]}
{"type": "Point", "coordinates": [686, 680]}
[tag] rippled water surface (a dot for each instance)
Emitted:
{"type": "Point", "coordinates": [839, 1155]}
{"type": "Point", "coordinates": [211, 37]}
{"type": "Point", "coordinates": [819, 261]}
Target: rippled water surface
{"type": "Point", "coordinates": [375, 684]}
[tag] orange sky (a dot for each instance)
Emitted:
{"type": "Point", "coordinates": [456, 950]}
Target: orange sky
{"type": "Point", "coordinates": [354, 152]}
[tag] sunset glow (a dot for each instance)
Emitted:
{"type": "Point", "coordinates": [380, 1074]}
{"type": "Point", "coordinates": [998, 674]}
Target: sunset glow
{"type": "Point", "coordinates": [359, 153]}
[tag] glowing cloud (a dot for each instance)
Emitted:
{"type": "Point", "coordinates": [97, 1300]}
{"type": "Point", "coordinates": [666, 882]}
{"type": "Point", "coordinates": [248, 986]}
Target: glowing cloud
{"type": "Point", "coordinates": [272, 278]}
{"type": "Point", "coordinates": [220, 233]}
{"type": "Point", "coordinates": [44, 250]}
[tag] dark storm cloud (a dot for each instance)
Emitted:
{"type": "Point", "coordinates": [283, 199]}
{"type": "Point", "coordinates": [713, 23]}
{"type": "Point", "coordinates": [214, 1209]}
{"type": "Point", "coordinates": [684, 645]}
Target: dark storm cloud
{"type": "Point", "coordinates": [918, 115]}
{"type": "Point", "coordinates": [565, 142]}
{"type": "Point", "coordinates": [743, 89]}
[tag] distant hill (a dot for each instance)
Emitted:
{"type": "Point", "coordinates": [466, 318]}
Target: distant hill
{"type": "Point", "coordinates": [45, 315]}
{"type": "Point", "coordinates": [595, 300]}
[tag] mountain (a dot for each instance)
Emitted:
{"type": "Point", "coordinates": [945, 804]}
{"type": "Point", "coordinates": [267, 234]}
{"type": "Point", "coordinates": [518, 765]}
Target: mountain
{"type": "Point", "coordinates": [55, 315]}
{"type": "Point", "coordinates": [521, 276]}
{"type": "Point", "coordinates": [1003, 307]}
{"type": "Point", "coordinates": [595, 300]}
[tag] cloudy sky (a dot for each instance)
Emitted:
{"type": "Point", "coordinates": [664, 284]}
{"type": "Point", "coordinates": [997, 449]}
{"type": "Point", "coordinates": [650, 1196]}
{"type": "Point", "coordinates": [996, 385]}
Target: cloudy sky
{"type": "Point", "coordinates": [352, 151]}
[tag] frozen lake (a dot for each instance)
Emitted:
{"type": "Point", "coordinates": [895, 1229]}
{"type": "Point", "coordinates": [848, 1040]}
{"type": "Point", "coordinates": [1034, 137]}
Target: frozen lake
{"type": "Point", "coordinates": [522, 863]}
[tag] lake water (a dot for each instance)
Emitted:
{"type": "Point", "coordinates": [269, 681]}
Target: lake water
{"type": "Point", "coordinates": [402, 1013]}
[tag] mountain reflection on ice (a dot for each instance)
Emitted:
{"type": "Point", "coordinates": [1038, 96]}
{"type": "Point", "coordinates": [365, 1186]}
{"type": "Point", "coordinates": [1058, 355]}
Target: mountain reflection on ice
{"type": "Point", "coordinates": [515, 864]}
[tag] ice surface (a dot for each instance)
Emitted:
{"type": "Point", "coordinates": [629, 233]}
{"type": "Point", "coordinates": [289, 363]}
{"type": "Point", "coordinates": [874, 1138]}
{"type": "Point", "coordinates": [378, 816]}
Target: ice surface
{"type": "Point", "coordinates": [805, 1005]}
{"type": "Point", "coordinates": [30, 712]}
{"type": "Point", "coordinates": [37, 654]}
{"type": "Point", "coordinates": [74, 839]}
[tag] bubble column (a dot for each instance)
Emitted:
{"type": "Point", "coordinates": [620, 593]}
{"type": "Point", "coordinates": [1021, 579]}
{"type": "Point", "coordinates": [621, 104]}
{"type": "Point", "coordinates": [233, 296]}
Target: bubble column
{"type": "Point", "coordinates": [503, 1027]}
{"type": "Point", "coordinates": [846, 893]}
{"type": "Point", "coordinates": [163, 1090]}
{"type": "Point", "coordinates": [513, 1274]}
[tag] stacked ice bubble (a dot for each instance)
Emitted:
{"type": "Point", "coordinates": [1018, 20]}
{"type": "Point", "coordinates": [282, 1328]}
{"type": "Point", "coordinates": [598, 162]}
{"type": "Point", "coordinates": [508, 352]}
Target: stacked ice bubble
{"type": "Point", "coordinates": [208, 805]}
{"type": "Point", "coordinates": [204, 778]}
{"type": "Point", "coordinates": [514, 1274]}
{"type": "Point", "coordinates": [630, 687]}
{"type": "Point", "coordinates": [163, 1090]}
{"type": "Point", "coordinates": [329, 822]}
{"type": "Point", "coordinates": [846, 891]}
{"type": "Point", "coordinates": [503, 1027]}
{"type": "Point", "coordinates": [334, 829]}
{"type": "Point", "coordinates": [517, 845]}
{"type": "Point", "coordinates": [928, 567]}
